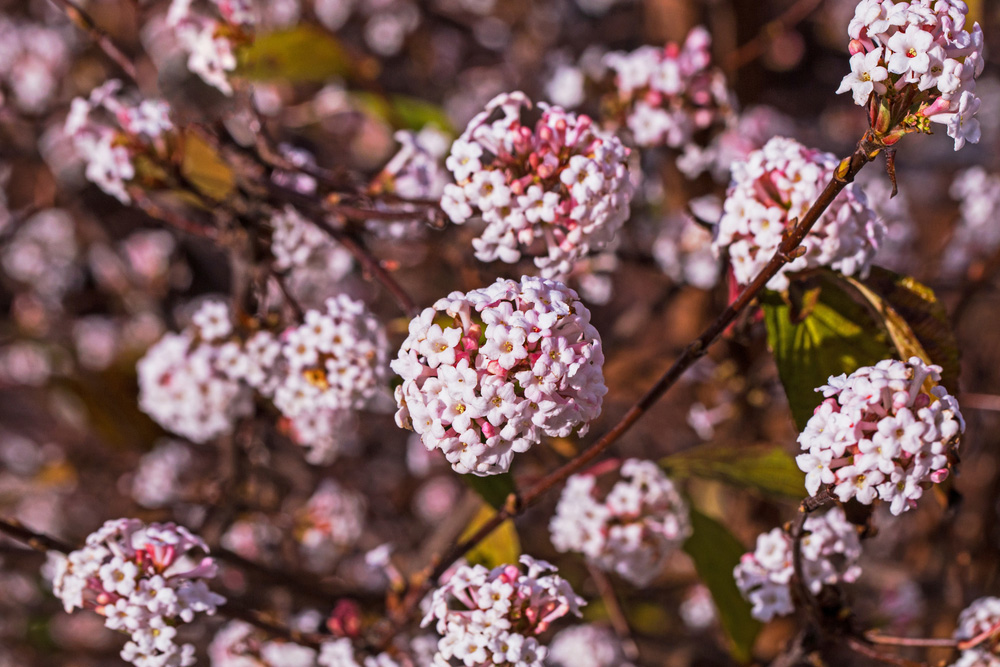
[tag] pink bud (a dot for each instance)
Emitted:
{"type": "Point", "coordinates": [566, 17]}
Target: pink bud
{"type": "Point", "coordinates": [939, 476]}
{"type": "Point", "coordinates": [856, 46]}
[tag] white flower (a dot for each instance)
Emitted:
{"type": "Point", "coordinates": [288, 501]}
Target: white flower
{"type": "Point", "coordinates": [866, 77]}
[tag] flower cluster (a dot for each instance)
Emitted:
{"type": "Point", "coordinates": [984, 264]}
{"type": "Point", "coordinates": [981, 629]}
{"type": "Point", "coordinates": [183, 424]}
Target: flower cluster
{"type": "Point", "coordinates": [145, 580]}
{"type": "Point", "coordinates": [33, 58]}
{"type": "Point", "coordinates": [108, 149]}
{"type": "Point", "coordinates": [486, 374]}
{"type": "Point", "coordinates": [43, 253]}
{"type": "Point", "coordinates": [196, 383]}
{"type": "Point", "coordinates": [556, 189]}
{"type": "Point", "coordinates": [668, 95]}
{"type": "Point", "coordinates": [328, 524]}
{"type": "Point", "coordinates": [917, 64]}
{"type": "Point", "coordinates": [297, 243]}
{"type": "Point", "coordinates": [777, 185]}
{"type": "Point", "coordinates": [830, 553]}
{"type": "Point", "coordinates": [638, 525]}
{"type": "Point", "coordinates": [493, 616]}
{"type": "Point", "coordinates": [158, 480]}
{"type": "Point", "coordinates": [978, 618]}
{"type": "Point", "coordinates": [211, 43]}
{"type": "Point", "coordinates": [881, 434]}
{"type": "Point", "coordinates": [586, 646]}
{"type": "Point", "coordinates": [976, 236]}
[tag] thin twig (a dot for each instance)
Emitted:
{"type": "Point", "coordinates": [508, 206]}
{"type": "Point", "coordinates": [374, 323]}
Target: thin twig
{"type": "Point", "coordinates": [980, 401]}
{"type": "Point", "coordinates": [615, 614]}
{"type": "Point", "coordinates": [37, 541]}
{"type": "Point", "coordinates": [747, 52]}
{"type": "Point", "coordinates": [878, 638]}
{"type": "Point", "coordinates": [788, 249]}
{"type": "Point", "coordinates": [858, 646]}
{"type": "Point", "coordinates": [84, 22]}
{"type": "Point", "coordinates": [172, 218]}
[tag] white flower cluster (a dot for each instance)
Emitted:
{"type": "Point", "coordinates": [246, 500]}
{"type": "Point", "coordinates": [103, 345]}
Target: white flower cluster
{"type": "Point", "coordinates": [683, 250]}
{"type": "Point", "coordinates": [238, 644]}
{"type": "Point", "coordinates": [586, 646]}
{"type": "Point", "coordinates": [157, 481]}
{"type": "Point", "coordinates": [486, 374]}
{"type": "Point", "coordinates": [210, 43]}
{"type": "Point", "coordinates": [978, 618]}
{"type": "Point", "coordinates": [830, 553]}
{"type": "Point", "coordinates": [637, 526]}
{"type": "Point", "coordinates": [183, 390]}
{"type": "Point", "coordinates": [33, 59]}
{"type": "Point", "coordinates": [197, 383]}
{"type": "Point", "coordinates": [43, 253]}
{"type": "Point", "coordinates": [918, 54]}
{"type": "Point", "coordinates": [145, 580]}
{"type": "Point", "coordinates": [976, 236]}
{"type": "Point", "coordinates": [555, 190]}
{"type": "Point", "coordinates": [669, 94]}
{"type": "Point", "coordinates": [328, 524]}
{"type": "Point", "coordinates": [297, 243]}
{"type": "Point", "coordinates": [881, 434]}
{"type": "Point", "coordinates": [108, 149]}
{"type": "Point", "coordinates": [493, 616]}
{"type": "Point", "coordinates": [777, 185]}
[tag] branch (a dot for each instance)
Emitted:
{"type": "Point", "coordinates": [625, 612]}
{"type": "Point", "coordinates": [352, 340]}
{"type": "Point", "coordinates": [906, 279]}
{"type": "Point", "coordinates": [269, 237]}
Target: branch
{"type": "Point", "coordinates": [788, 250]}
{"type": "Point", "coordinates": [617, 617]}
{"type": "Point", "coordinates": [84, 22]}
{"type": "Point", "coordinates": [747, 52]}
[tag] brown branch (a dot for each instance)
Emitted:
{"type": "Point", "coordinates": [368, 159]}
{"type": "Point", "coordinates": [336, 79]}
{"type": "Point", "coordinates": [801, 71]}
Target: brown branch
{"type": "Point", "coordinates": [36, 541]}
{"type": "Point", "coordinates": [876, 638]}
{"type": "Point", "coordinates": [860, 647]}
{"type": "Point", "coordinates": [172, 218]}
{"type": "Point", "coordinates": [84, 22]}
{"type": "Point", "coordinates": [788, 250]}
{"type": "Point", "coordinates": [771, 30]}
{"type": "Point", "coordinates": [617, 617]}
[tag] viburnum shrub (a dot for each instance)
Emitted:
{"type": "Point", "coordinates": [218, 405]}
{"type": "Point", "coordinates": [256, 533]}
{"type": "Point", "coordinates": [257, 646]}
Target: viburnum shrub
{"type": "Point", "coordinates": [631, 530]}
{"type": "Point", "coordinates": [881, 434]}
{"type": "Point", "coordinates": [488, 373]}
{"type": "Point", "coordinates": [555, 189]}
{"type": "Point", "coordinates": [145, 580]}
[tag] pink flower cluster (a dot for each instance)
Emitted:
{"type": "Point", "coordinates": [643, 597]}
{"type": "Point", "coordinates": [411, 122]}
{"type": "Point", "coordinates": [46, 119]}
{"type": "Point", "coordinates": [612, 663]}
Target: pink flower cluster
{"type": "Point", "coordinates": [880, 434]}
{"type": "Point", "coordinates": [328, 524]}
{"type": "Point", "coordinates": [108, 149]}
{"type": "Point", "coordinates": [493, 616]}
{"type": "Point", "coordinates": [209, 42]}
{"type": "Point", "coordinates": [777, 185]}
{"type": "Point", "coordinates": [555, 189]}
{"type": "Point", "coordinates": [586, 646]}
{"type": "Point", "coordinates": [145, 580]}
{"type": "Point", "coordinates": [667, 95]}
{"type": "Point", "coordinates": [919, 62]}
{"type": "Point", "coordinates": [637, 526]}
{"type": "Point", "coordinates": [33, 58]}
{"type": "Point", "coordinates": [486, 374]}
{"type": "Point", "coordinates": [978, 618]}
{"type": "Point", "coordinates": [830, 553]}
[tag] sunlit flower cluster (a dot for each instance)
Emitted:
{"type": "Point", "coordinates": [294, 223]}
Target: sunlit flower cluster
{"type": "Point", "coordinates": [920, 63]}
{"type": "Point", "coordinates": [777, 185]}
{"type": "Point", "coordinates": [830, 553]}
{"type": "Point", "coordinates": [486, 374]}
{"type": "Point", "coordinates": [108, 141]}
{"type": "Point", "coordinates": [979, 618]}
{"type": "Point", "coordinates": [555, 189]}
{"type": "Point", "coordinates": [494, 616]}
{"type": "Point", "coordinates": [668, 95]}
{"type": "Point", "coordinates": [882, 434]}
{"type": "Point", "coordinates": [145, 580]}
{"type": "Point", "coordinates": [632, 530]}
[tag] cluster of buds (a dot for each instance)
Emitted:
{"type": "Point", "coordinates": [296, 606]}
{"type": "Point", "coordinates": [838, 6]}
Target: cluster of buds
{"type": "Point", "coordinates": [555, 189]}
{"type": "Point", "coordinates": [881, 434]}
{"type": "Point", "coordinates": [486, 374]}
{"type": "Point", "coordinates": [211, 43]}
{"type": "Point", "coordinates": [145, 580]}
{"type": "Point", "coordinates": [672, 96]}
{"type": "Point", "coordinates": [638, 525]}
{"type": "Point", "coordinates": [110, 145]}
{"type": "Point", "coordinates": [830, 553]}
{"type": "Point", "coordinates": [494, 616]}
{"type": "Point", "coordinates": [774, 187]}
{"type": "Point", "coordinates": [978, 622]}
{"type": "Point", "coordinates": [914, 63]}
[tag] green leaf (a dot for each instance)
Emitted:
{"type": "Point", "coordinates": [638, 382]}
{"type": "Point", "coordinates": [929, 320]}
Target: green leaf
{"type": "Point", "coordinates": [494, 489]}
{"type": "Point", "coordinates": [403, 112]}
{"type": "Point", "coordinates": [917, 323]}
{"type": "Point", "coordinates": [715, 553]}
{"type": "Point", "coordinates": [837, 334]}
{"type": "Point", "coordinates": [304, 54]}
{"type": "Point", "coordinates": [502, 547]}
{"type": "Point", "coordinates": [769, 470]}
{"type": "Point", "coordinates": [202, 165]}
